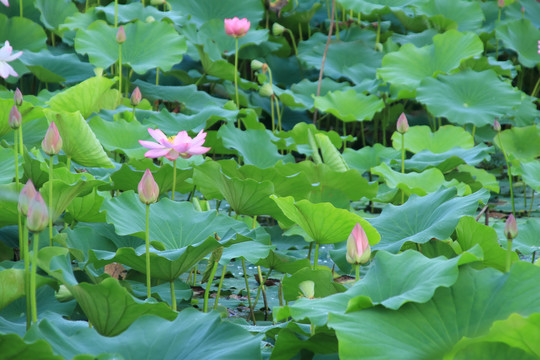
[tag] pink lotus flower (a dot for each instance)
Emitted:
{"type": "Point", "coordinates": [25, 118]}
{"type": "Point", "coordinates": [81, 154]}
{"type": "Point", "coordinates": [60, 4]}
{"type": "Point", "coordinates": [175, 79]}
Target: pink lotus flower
{"type": "Point", "coordinates": [510, 227]}
{"type": "Point", "coordinates": [148, 188]}
{"type": "Point", "coordinates": [173, 147]}
{"type": "Point", "coordinates": [402, 124]}
{"type": "Point", "coordinates": [5, 57]}
{"type": "Point", "coordinates": [38, 215]}
{"type": "Point", "coordinates": [25, 197]}
{"type": "Point", "coordinates": [236, 27]}
{"type": "Point", "coordinates": [358, 249]}
{"type": "Point", "coordinates": [52, 143]}
{"type": "Point", "coordinates": [5, 2]}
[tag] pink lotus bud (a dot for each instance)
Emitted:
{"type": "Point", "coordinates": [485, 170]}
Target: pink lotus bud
{"type": "Point", "coordinates": [148, 189]}
{"type": "Point", "coordinates": [500, 3]}
{"type": "Point", "coordinates": [539, 47]}
{"type": "Point", "coordinates": [402, 124]}
{"type": "Point", "coordinates": [510, 227]}
{"type": "Point", "coordinates": [236, 27]}
{"type": "Point", "coordinates": [52, 143]}
{"type": "Point", "coordinates": [496, 126]}
{"type": "Point", "coordinates": [38, 215]}
{"type": "Point", "coordinates": [27, 194]}
{"type": "Point", "coordinates": [120, 35]}
{"type": "Point", "coordinates": [136, 97]}
{"type": "Point", "coordinates": [15, 118]}
{"type": "Point", "coordinates": [358, 249]}
{"type": "Point", "coordinates": [18, 97]}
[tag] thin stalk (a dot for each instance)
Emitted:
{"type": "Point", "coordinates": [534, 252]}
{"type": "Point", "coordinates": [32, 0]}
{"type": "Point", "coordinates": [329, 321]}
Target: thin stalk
{"type": "Point", "coordinates": [50, 200]}
{"type": "Point", "coordinates": [27, 278]}
{"type": "Point", "coordinates": [309, 251]}
{"type": "Point", "coordinates": [473, 131]}
{"type": "Point", "coordinates": [147, 242]}
{"type": "Point", "coordinates": [402, 163]}
{"type": "Point", "coordinates": [278, 115]}
{"type": "Point", "coordinates": [68, 163]}
{"type": "Point", "coordinates": [19, 215]}
{"type": "Point", "coordinates": [157, 76]}
{"type": "Point", "coordinates": [115, 13]}
{"type": "Point", "coordinates": [337, 25]}
{"type": "Point", "coordinates": [357, 272]}
{"type": "Point", "coordinates": [21, 8]}
{"type": "Point", "coordinates": [236, 74]}
{"type": "Point", "coordinates": [524, 195]}
{"type": "Point", "coordinates": [120, 69]}
{"type": "Point", "coordinates": [21, 143]}
{"type": "Point", "coordinates": [173, 297]}
{"type": "Point", "coordinates": [532, 202]}
{"type": "Point", "coordinates": [264, 291]}
{"type": "Point", "coordinates": [195, 276]}
{"type": "Point", "coordinates": [33, 276]}
{"type": "Point", "coordinates": [224, 270]}
{"type": "Point", "coordinates": [316, 256]}
{"type": "Point", "coordinates": [247, 291]}
{"type": "Point", "coordinates": [280, 293]}
{"type": "Point", "coordinates": [378, 37]}
{"type": "Point", "coordinates": [272, 113]}
{"type": "Point", "coordinates": [509, 173]}
{"type": "Point", "coordinates": [208, 285]}
{"type": "Point", "coordinates": [362, 134]}
{"type": "Point", "coordinates": [344, 135]}
{"type": "Point", "coordinates": [174, 179]}
{"type": "Point", "coordinates": [508, 255]}
{"type": "Point", "coordinates": [497, 40]}
{"type": "Point", "coordinates": [535, 89]}
{"type": "Point", "coordinates": [300, 36]}
{"type": "Point", "coordinates": [293, 41]}
{"type": "Point", "coordinates": [533, 257]}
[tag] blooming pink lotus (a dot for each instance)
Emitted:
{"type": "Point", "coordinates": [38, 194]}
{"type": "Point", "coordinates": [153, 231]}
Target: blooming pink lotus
{"type": "Point", "coordinates": [236, 27]}
{"type": "Point", "coordinates": [173, 147]}
{"type": "Point", "coordinates": [5, 57]}
{"type": "Point", "coordinates": [5, 2]}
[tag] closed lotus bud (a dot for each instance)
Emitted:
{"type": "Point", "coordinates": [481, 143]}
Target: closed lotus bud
{"type": "Point", "coordinates": [121, 35]}
{"type": "Point", "coordinates": [52, 143]}
{"type": "Point", "coordinates": [136, 97]}
{"type": "Point", "coordinates": [358, 249]}
{"type": "Point", "coordinates": [266, 90]}
{"type": "Point", "coordinates": [38, 215]}
{"type": "Point", "coordinates": [496, 126]}
{"type": "Point", "coordinates": [278, 29]}
{"type": "Point", "coordinates": [307, 288]}
{"type": "Point", "coordinates": [148, 188]}
{"type": "Point", "coordinates": [510, 227]}
{"type": "Point", "coordinates": [500, 3]}
{"type": "Point", "coordinates": [402, 124]}
{"type": "Point", "coordinates": [256, 65]}
{"type": "Point", "coordinates": [15, 118]}
{"type": "Point", "coordinates": [18, 97]}
{"type": "Point", "coordinates": [27, 194]}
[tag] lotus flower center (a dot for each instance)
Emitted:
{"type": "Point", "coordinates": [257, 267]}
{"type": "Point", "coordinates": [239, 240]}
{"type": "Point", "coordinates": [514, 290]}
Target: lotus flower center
{"type": "Point", "coordinates": [171, 139]}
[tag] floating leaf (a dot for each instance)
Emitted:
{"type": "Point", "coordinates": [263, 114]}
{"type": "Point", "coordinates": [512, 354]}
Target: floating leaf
{"type": "Point", "coordinates": [368, 157]}
{"type": "Point", "coordinates": [464, 15]}
{"type": "Point", "coordinates": [522, 37]}
{"type": "Point", "coordinates": [450, 159]}
{"type": "Point", "coordinates": [349, 105]}
{"type": "Point", "coordinates": [49, 67]}
{"type": "Point", "coordinates": [447, 137]}
{"type": "Point", "coordinates": [522, 143]}
{"type": "Point", "coordinates": [428, 181]}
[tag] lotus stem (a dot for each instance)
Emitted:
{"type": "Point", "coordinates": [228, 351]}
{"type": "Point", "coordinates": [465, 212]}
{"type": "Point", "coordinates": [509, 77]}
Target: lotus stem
{"type": "Point", "coordinates": [224, 270]}
{"type": "Point", "coordinates": [50, 200]}
{"type": "Point", "coordinates": [272, 113]}
{"type": "Point", "coordinates": [261, 288]}
{"type": "Point", "coordinates": [236, 74]}
{"type": "Point", "coordinates": [378, 37]}
{"type": "Point", "coordinates": [27, 287]}
{"type": "Point", "coordinates": [509, 255]}
{"type": "Point", "coordinates": [120, 69]}
{"type": "Point", "coordinates": [147, 242]}
{"type": "Point", "coordinates": [33, 276]}
{"type": "Point", "coordinates": [21, 143]}
{"type": "Point", "coordinates": [497, 40]}
{"type": "Point", "coordinates": [294, 41]}
{"type": "Point", "coordinates": [68, 163]}
{"type": "Point", "coordinates": [278, 114]}
{"type": "Point", "coordinates": [337, 24]}
{"type": "Point", "coordinates": [21, 7]}
{"type": "Point", "coordinates": [174, 179]}
{"type": "Point", "coordinates": [157, 76]}
{"type": "Point", "coordinates": [208, 285]}
{"type": "Point", "coordinates": [173, 296]}
{"type": "Point", "coordinates": [115, 13]}
{"type": "Point", "coordinates": [532, 202]}
{"type": "Point", "coordinates": [316, 256]}
{"type": "Point", "coordinates": [357, 272]}
{"type": "Point", "coordinates": [509, 173]}
{"type": "Point", "coordinates": [195, 276]}
{"type": "Point", "coordinates": [19, 215]}
{"type": "Point", "coordinates": [402, 163]}
{"type": "Point", "coordinates": [535, 89]}
{"type": "Point", "coordinates": [248, 293]}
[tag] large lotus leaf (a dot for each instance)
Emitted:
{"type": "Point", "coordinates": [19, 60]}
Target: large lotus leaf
{"type": "Point", "coordinates": [54, 12]}
{"type": "Point", "coordinates": [79, 142]}
{"type": "Point", "coordinates": [13, 347]}
{"type": "Point", "coordinates": [120, 135]}
{"type": "Point", "coordinates": [528, 10]}
{"type": "Point", "coordinates": [172, 123]}
{"type": "Point", "coordinates": [7, 165]}
{"type": "Point", "coordinates": [447, 137]}
{"type": "Point", "coordinates": [522, 143]}
{"type": "Point", "coordinates": [296, 338]}
{"type": "Point", "coordinates": [324, 223]}
{"type": "Point", "coordinates": [422, 218]}
{"type": "Point", "coordinates": [428, 331]}
{"type": "Point", "coordinates": [299, 135]}
{"type": "Point", "coordinates": [9, 198]}
{"type": "Point", "coordinates": [174, 224]}
{"type": "Point", "coordinates": [462, 98]}
{"type": "Point", "coordinates": [12, 285]}
{"type": "Point", "coordinates": [192, 335]}
{"type": "Point", "coordinates": [530, 173]}
{"type": "Point", "coordinates": [49, 67]}
{"type": "Point", "coordinates": [469, 233]}
{"type": "Point", "coordinates": [428, 181]}
{"type": "Point", "coordinates": [321, 278]}
{"type": "Point", "coordinates": [349, 105]}
{"type": "Point", "coordinates": [86, 208]}
{"type": "Point", "coordinates": [450, 159]}
{"type": "Point", "coordinates": [354, 60]}
{"type": "Point", "coordinates": [408, 66]}
{"type": "Point", "coordinates": [368, 157]}
{"type": "Point", "coordinates": [468, 16]}
{"type": "Point", "coordinates": [527, 241]}
{"type": "Point", "coordinates": [255, 146]}
{"type": "Point", "coordinates": [88, 97]}
{"type": "Point", "coordinates": [136, 11]}
{"type": "Point", "coordinates": [252, 251]}
{"type": "Point", "coordinates": [165, 265]}
{"type": "Point", "coordinates": [22, 33]}
{"type": "Point", "coordinates": [490, 350]}
{"type": "Point", "coordinates": [27, 111]}
{"type": "Point", "coordinates": [140, 50]}
{"type": "Point", "coordinates": [522, 37]}
{"type": "Point", "coordinates": [481, 176]}
{"type": "Point", "coordinates": [301, 94]}
{"type": "Point", "coordinates": [202, 11]}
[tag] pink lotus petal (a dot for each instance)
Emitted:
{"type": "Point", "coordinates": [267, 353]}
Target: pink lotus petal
{"type": "Point", "coordinates": [151, 144]}
{"type": "Point", "coordinates": [158, 135]}
{"type": "Point", "coordinates": [172, 155]}
{"type": "Point", "coordinates": [5, 2]}
{"type": "Point", "coordinates": [156, 153]}
{"type": "Point", "coordinates": [198, 150]}
{"type": "Point", "coordinates": [6, 70]}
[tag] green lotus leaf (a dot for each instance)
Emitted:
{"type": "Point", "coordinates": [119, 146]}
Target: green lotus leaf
{"type": "Point", "coordinates": [492, 350]}
{"type": "Point", "coordinates": [530, 173]}
{"type": "Point", "coordinates": [369, 156]}
{"type": "Point", "coordinates": [22, 33]}
{"type": "Point", "coordinates": [252, 251]}
{"type": "Point", "coordinates": [488, 180]}
{"type": "Point", "coordinates": [428, 181]}
{"type": "Point", "coordinates": [523, 143]}
{"type": "Point", "coordinates": [324, 223]}
{"type": "Point", "coordinates": [420, 219]}
{"type": "Point", "coordinates": [202, 11]}
{"type": "Point", "coordinates": [136, 11]}
{"type": "Point", "coordinates": [378, 7]}
{"type": "Point", "coordinates": [349, 105]}
{"type": "Point", "coordinates": [79, 141]}
{"type": "Point", "coordinates": [301, 94]}
{"type": "Point", "coordinates": [50, 68]}
{"type": "Point", "coordinates": [28, 112]}
{"type": "Point", "coordinates": [447, 137]}
{"type": "Point", "coordinates": [408, 66]}
{"type": "Point", "coordinates": [12, 285]}
{"type": "Point", "coordinates": [462, 98]}
{"type": "Point", "coordinates": [530, 11]}
{"type": "Point", "coordinates": [430, 330]}
{"type": "Point", "coordinates": [321, 277]}
{"type": "Point", "coordinates": [120, 135]}
{"type": "Point", "coordinates": [300, 136]}
{"type": "Point", "coordinates": [450, 159]}
{"type": "Point", "coordinates": [140, 50]}
{"type": "Point", "coordinates": [522, 37]}
{"type": "Point", "coordinates": [85, 208]}
{"type": "Point", "coordinates": [9, 198]}
{"type": "Point", "coordinates": [295, 338]}
{"type": "Point", "coordinates": [464, 15]}
{"type": "Point", "coordinates": [526, 241]}
{"type": "Point", "coordinates": [16, 348]}
{"type": "Point", "coordinates": [54, 12]}
{"type": "Point", "coordinates": [191, 335]}
{"type": "Point", "coordinates": [7, 165]}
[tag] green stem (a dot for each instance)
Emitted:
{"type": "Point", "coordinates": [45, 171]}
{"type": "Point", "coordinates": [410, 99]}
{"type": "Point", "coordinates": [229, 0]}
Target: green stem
{"type": "Point", "coordinates": [27, 278]}
{"type": "Point", "coordinates": [247, 291]}
{"type": "Point", "coordinates": [120, 69]}
{"type": "Point", "coordinates": [173, 296]}
{"type": "Point", "coordinates": [224, 270]}
{"type": "Point", "coordinates": [309, 251]}
{"type": "Point", "coordinates": [147, 242]}
{"type": "Point", "coordinates": [378, 38]}
{"type": "Point", "coordinates": [362, 134]}
{"type": "Point", "coordinates": [195, 276]}
{"type": "Point", "coordinates": [115, 13]}
{"type": "Point", "coordinates": [21, 7]}
{"type": "Point", "coordinates": [21, 143]}
{"type": "Point", "coordinates": [357, 272]}
{"type": "Point", "coordinates": [508, 255]}
{"type": "Point", "coordinates": [272, 113]}
{"type": "Point", "coordinates": [497, 40]}
{"type": "Point", "coordinates": [19, 215]}
{"type": "Point", "coordinates": [402, 163]}
{"type": "Point", "coordinates": [33, 276]}
{"type": "Point", "coordinates": [337, 24]}
{"type": "Point", "coordinates": [473, 131]}
{"type": "Point", "coordinates": [293, 41]}
{"type": "Point", "coordinates": [208, 285]}
{"type": "Point", "coordinates": [174, 179]}
{"type": "Point", "coordinates": [316, 256]}
{"type": "Point", "coordinates": [157, 76]}
{"type": "Point", "coordinates": [236, 73]}
{"type": "Point", "coordinates": [50, 200]}
{"type": "Point", "coordinates": [535, 89]}
{"type": "Point", "coordinates": [509, 173]}
{"type": "Point", "coordinates": [278, 114]}
{"type": "Point", "coordinates": [532, 202]}
{"type": "Point", "coordinates": [68, 163]}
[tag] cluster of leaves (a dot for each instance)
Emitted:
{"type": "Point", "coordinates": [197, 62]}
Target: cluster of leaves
{"type": "Point", "coordinates": [437, 285]}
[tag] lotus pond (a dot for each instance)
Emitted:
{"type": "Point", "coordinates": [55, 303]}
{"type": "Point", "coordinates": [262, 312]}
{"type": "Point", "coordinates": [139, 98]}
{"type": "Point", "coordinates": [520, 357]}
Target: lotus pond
{"type": "Point", "coordinates": [289, 179]}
